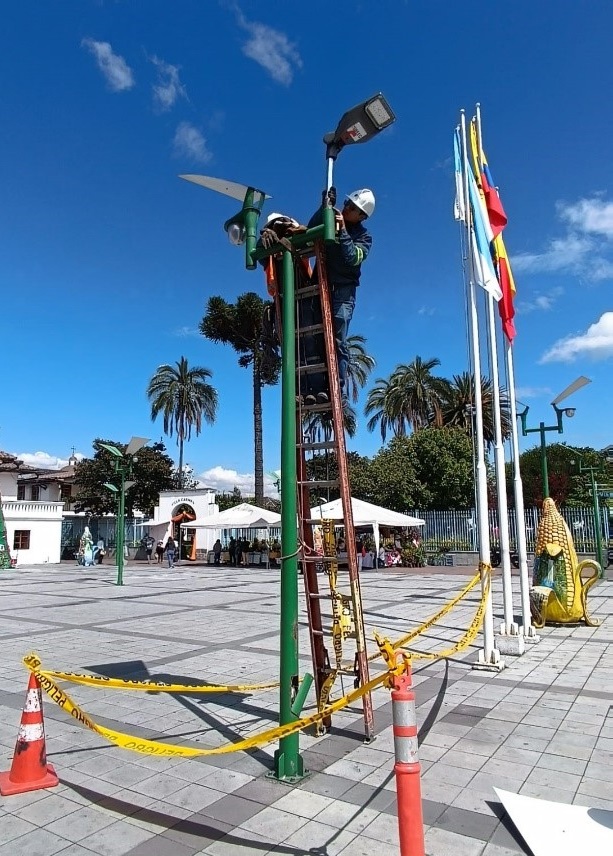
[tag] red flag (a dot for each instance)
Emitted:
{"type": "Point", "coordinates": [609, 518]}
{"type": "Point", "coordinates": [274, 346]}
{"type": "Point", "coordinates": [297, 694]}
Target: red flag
{"type": "Point", "coordinates": [496, 213]}
{"type": "Point", "coordinates": [506, 306]}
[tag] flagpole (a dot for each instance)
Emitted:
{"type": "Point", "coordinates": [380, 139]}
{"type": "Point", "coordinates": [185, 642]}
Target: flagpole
{"type": "Point", "coordinates": [528, 630]}
{"type": "Point", "coordinates": [489, 657]}
{"type": "Point", "coordinates": [508, 628]}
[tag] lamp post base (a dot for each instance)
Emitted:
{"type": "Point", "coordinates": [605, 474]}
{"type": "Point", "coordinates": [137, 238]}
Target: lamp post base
{"type": "Point", "coordinates": [289, 767]}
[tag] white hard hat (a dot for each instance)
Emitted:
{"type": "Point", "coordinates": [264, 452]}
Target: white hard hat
{"type": "Point", "coordinates": [276, 216]}
{"type": "Point", "coordinates": [363, 199]}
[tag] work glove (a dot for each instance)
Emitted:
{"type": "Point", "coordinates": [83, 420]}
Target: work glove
{"type": "Point", "coordinates": [328, 197]}
{"type": "Point", "coordinates": [268, 238]}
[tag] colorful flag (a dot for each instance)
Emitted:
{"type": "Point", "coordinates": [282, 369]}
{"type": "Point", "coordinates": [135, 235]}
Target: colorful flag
{"type": "Point", "coordinates": [480, 233]}
{"type": "Point", "coordinates": [496, 213]}
{"type": "Point", "coordinates": [506, 306]}
{"type": "Point", "coordinates": [498, 220]}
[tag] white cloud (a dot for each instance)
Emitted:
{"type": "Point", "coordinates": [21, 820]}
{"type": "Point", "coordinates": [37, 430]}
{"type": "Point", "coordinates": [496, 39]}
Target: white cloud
{"type": "Point", "coordinates": [592, 216]}
{"type": "Point", "coordinates": [567, 253]}
{"type": "Point", "coordinates": [225, 480]}
{"type": "Point", "coordinates": [540, 301]}
{"type": "Point", "coordinates": [46, 461]}
{"type": "Point", "coordinates": [271, 49]}
{"type": "Point", "coordinates": [596, 343]}
{"type": "Point", "coordinates": [532, 392]}
{"type": "Point", "coordinates": [426, 310]}
{"type": "Point", "coordinates": [168, 87]}
{"type": "Point", "coordinates": [586, 248]}
{"type": "Point", "coordinates": [115, 69]}
{"type": "Point", "coordinates": [186, 331]}
{"type": "Point", "coordinates": [189, 143]}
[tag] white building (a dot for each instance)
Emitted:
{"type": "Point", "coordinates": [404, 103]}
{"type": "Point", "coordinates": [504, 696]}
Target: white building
{"type": "Point", "coordinates": [179, 506]}
{"type": "Point", "coordinates": [33, 526]}
{"type": "Point", "coordinates": [37, 503]}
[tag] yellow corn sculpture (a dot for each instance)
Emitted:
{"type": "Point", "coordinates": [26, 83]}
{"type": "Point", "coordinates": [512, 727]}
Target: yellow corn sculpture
{"type": "Point", "coordinates": [559, 592]}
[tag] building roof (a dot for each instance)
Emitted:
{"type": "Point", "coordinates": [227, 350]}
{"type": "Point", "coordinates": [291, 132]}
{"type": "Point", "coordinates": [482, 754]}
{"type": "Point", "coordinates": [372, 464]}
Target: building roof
{"type": "Point", "coordinates": [12, 464]}
{"type": "Point", "coordinates": [43, 475]}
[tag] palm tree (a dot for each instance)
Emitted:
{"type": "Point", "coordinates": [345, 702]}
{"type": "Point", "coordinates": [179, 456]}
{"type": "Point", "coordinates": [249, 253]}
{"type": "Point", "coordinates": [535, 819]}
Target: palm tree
{"type": "Point", "coordinates": [410, 398]}
{"type": "Point", "coordinates": [240, 325]}
{"type": "Point", "coordinates": [379, 408]}
{"type": "Point", "coordinates": [457, 406]}
{"type": "Point", "coordinates": [184, 398]}
{"type": "Point", "coordinates": [360, 366]}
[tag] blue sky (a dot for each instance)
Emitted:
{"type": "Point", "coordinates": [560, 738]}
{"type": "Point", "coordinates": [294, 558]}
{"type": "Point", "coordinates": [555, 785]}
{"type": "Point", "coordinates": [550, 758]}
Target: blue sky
{"type": "Point", "coordinates": [108, 259]}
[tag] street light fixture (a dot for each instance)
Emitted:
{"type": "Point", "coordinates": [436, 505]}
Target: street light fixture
{"type": "Point", "coordinates": [124, 461]}
{"type": "Point", "coordinates": [569, 412]}
{"type": "Point", "coordinates": [596, 509]}
{"type": "Point", "coordinates": [358, 125]}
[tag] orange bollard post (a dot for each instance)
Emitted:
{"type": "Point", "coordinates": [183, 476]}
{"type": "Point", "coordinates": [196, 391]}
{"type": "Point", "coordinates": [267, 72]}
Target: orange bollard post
{"type": "Point", "coordinates": [29, 770]}
{"type": "Point", "coordinates": [407, 768]}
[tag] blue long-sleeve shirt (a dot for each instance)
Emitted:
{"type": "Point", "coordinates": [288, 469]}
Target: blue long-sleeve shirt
{"type": "Point", "coordinates": [344, 259]}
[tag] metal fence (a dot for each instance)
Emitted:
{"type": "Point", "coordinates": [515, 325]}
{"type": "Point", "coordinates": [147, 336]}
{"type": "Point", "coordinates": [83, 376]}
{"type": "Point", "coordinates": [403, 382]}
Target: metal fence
{"type": "Point", "coordinates": [457, 530]}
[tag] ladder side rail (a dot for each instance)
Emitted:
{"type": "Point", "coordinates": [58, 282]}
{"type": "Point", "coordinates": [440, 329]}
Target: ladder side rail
{"type": "Point", "coordinates": [344, 487]}
{"type": "Point", "coordinates": [319, 653]}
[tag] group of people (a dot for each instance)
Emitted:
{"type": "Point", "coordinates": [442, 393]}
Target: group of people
{"type": "Point", "coordinates": [367, 558]}
{"type": "Point", "coordinates": [170, 548]}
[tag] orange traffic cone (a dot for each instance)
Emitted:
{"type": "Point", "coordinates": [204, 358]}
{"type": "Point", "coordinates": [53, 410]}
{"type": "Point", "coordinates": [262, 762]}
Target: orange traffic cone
{"type": "Point", "coordinates": [29, 770]}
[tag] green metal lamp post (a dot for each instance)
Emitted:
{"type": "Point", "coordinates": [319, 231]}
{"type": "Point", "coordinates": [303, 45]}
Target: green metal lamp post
{"type": "Point", "coordinates": [358, 125]}
{"type": "Point", "coordinates": [543, 429]}
{"type": "Point", "coordinates": [124, 462]}
{"type": "Point", "coordinates": [596, 510]}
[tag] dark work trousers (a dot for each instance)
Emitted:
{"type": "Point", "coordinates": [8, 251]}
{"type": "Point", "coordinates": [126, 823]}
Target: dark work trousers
{"type": "Point", "coordinates": [312, 345]}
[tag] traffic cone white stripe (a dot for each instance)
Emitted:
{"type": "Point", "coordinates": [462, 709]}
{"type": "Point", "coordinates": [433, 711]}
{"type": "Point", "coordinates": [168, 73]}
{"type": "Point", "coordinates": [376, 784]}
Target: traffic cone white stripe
{"type": "Point", "coordinates": [32, 701]}
{"type": "Point", "coordinates": [30, 733]}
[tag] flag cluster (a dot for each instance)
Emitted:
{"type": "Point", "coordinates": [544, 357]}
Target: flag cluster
{"type": "Point", "coordinates": [491, 265]}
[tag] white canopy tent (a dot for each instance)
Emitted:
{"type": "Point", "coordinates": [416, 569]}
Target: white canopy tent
{"type": "Point", "coordinates": [366, 514]}
{"type": "Point", "coordinates": [243, 516]}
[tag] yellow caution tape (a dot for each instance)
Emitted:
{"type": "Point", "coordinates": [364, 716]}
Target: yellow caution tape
{"type": "Point", "coordinates": [408, 637]}
{"type": "Point", "coordinates": [467, 638]}
{"type": "Point", "coordinates": [153, 686]}
{"type": "Point", "coordinates": [154, 747]}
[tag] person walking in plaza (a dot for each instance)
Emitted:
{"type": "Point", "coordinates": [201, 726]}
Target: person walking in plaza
{"type": "Point", "coordinates": [159, 552]}
{"type": "Point", "coordinates": [170, 552]}
{"type": "Point", "coordinates": [148, 543]}
{"type": "Point", "coordinates": [217, 552]}
{"type": "Point", "coordinates": [344, 267]}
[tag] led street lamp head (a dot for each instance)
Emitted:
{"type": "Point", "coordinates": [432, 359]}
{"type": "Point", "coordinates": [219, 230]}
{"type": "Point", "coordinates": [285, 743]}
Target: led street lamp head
{"type": "Point", "coordinates": [236, 234]}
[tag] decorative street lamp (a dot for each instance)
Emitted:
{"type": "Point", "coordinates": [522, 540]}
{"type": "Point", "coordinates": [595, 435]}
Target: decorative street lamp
{"type": "Point", "coordinates": [124, 461]}
{"type": "Point", "coordinates": [542, 429]}
{"type": "Point", "coordinates": [596, 509]}
{"type": "Point", "coordinates": [358, 125]}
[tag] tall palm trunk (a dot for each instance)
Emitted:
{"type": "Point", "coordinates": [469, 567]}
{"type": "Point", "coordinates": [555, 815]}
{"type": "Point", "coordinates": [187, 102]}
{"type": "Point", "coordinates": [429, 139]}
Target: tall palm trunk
{"type": "Point", "coordinates": [257, 435]}
{"type": "Point", "coordinates": [180, 461]}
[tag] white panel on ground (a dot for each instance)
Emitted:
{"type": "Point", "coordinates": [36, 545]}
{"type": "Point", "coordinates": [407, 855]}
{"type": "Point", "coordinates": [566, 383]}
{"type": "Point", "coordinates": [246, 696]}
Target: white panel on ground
{"type": "Point", "coordinates": [557, 829]}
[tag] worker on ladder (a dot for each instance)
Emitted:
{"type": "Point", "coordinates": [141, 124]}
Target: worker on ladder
{"type": "Point", "coordinates": [344, 266]}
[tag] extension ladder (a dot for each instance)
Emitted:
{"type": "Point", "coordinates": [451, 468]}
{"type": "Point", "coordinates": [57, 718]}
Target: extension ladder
{"type": "Point", "coordinates": [343, 583]}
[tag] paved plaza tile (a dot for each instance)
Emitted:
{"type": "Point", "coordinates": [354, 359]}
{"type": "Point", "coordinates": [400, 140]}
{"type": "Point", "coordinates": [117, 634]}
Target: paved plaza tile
{"type": "Point", "coordinates": [542, 727]}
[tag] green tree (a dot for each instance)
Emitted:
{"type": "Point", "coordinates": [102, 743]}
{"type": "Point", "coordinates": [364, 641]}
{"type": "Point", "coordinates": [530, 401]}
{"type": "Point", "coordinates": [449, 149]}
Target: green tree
{"type": "Point", "coordinates": [152, 473]}
{"type": "Point", "coordinates": [229, 500]}
{"type": "Point", "coordinates": [359, 367]}
{"type": "Point", "coordinates": [567, 486]}
{"type": "Point", "coordinates": [409, 399]}
{"type": "Point", "coordinates": [185, 398]}
{"type": "Point", "coordinates": [240, 325]}
{"type": "Point", "coordinates": [393, 477]}
{"type": "Point", "coordinates": [443, 465]}
{"type": "Point", "coordinates": [457, 406]}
